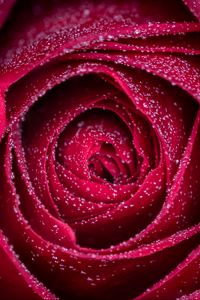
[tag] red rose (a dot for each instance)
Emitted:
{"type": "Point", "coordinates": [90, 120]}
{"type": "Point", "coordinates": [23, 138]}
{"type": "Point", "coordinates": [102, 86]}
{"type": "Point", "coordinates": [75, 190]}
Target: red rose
{"type": "Point", "coordinates": [99, 150]}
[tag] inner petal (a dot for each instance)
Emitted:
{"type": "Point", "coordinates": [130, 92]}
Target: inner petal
{"type": "Point", "coordinates": [97, 145]}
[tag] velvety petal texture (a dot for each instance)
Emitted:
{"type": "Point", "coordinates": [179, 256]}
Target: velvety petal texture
{"type": "Point", "coordinates": [99, 150]}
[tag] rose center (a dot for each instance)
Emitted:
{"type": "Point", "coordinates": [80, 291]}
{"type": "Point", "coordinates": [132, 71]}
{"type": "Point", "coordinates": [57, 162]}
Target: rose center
{"type": "Point", "coordinates": [106, 165]}
{"type": "Point", "coordinates": [98, 146]}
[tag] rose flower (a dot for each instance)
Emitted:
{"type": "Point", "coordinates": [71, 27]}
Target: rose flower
{"type": "Point", "coordinates": [99, 150]}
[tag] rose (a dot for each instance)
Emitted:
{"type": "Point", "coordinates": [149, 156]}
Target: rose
{"type": "Point", "coordinates": [99, 151]}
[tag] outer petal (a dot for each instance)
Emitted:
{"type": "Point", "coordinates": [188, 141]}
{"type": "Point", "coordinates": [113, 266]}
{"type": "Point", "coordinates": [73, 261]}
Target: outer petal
{"type": "Point", "coordinates": [193, 296]}
{"type": "Point", "coordinates": [184, 277]}
{"type": "Point", "coordinates": [5, 7]}
{"type": "Point", "coordinates": [194, 6]}
{"type": "Point", "coordinates": [15, 280]}
{"type": "Point", "coordinates": [2, 115]}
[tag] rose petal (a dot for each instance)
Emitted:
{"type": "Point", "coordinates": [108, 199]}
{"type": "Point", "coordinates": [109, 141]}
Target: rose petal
{"type": "Point", "coordinates": [194, 7]}
{"type": "Point", "coordinates": [14, 274]}
{"type": "Point", "coordinates": [5, 7]}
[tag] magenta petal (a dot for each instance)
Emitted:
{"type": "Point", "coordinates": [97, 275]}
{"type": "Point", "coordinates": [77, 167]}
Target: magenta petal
{"type": "Point", "coordinates": [184, 278]}
{"type": "Point", "coordinates": [194, 7]}
{"type": "Point", "coordinates": [5, 7]}
{"type": "Point", "coordinates": [193, 296]}
{"type": "Point", "coordinates": [2, 115]}
{"type": "Point", "coordinates": [14, 274]}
